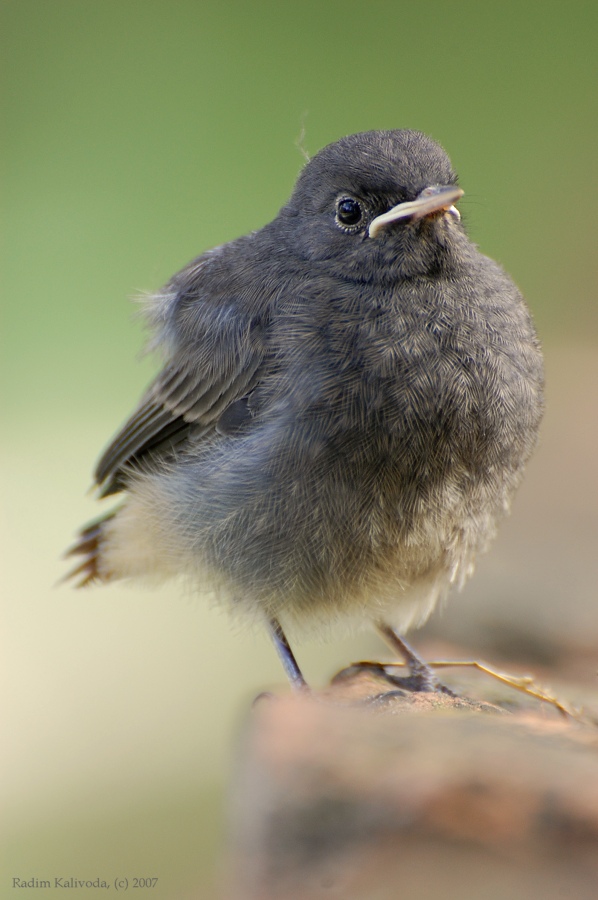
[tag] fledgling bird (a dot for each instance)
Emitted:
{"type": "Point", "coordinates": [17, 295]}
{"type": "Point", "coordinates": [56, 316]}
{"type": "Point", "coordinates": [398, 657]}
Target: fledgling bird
{"type": "Point", "coordinates": [348, 400]}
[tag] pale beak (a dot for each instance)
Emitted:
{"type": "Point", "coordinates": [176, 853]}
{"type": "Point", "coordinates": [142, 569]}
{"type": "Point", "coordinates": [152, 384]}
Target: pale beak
{"type": "Point", "coordinates": [431, 200]}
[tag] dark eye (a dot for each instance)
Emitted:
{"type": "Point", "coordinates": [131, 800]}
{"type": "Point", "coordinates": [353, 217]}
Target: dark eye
{"type": "Point", "coordinates": [348, 212]}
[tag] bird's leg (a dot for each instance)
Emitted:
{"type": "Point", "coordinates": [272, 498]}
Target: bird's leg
{"type": "Point", "coordinates": [287, 656]}
{"type": "Point", "coordinates": [422, 677]}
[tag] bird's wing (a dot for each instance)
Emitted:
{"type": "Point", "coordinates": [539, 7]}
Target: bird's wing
{"type": "Point", "coordinates": [218, 349]}
{"type": "Point", "coordinates": [179, 403]}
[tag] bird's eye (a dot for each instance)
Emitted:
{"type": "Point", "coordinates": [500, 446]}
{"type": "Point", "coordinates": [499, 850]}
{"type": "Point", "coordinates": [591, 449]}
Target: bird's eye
{"type": "Point", "coordinates": [349, 213]}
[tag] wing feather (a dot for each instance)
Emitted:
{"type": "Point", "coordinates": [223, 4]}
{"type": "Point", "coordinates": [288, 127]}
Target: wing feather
{"type": "Point", "coordinates": [214, 335]}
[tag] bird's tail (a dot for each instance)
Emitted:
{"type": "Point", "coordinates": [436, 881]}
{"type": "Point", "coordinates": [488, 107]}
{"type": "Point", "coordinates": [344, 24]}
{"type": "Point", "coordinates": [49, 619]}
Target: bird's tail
{"type": "Point", "coordinates": [88, 546]}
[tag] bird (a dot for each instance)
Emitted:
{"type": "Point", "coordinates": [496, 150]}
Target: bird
{"type": "Point", "coordinates": [348, 399]}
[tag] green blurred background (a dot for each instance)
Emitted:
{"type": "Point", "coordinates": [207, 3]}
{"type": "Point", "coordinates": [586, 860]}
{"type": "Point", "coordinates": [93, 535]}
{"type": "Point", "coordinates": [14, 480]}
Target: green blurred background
{"type": "Point", "coordinates": [135, 134]}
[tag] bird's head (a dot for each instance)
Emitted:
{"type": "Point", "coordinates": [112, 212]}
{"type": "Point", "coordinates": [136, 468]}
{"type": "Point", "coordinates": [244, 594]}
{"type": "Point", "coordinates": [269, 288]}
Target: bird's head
{"type": "Point", "coordinates": [376, 199]}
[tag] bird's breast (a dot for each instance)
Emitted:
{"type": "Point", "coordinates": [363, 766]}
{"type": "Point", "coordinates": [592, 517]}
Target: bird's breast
{"type": "Point", "coordinates": [403, 385]}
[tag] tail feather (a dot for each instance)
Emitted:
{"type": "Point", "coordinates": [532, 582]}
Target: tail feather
{"type": "Point", "coordinates": [89, 546]}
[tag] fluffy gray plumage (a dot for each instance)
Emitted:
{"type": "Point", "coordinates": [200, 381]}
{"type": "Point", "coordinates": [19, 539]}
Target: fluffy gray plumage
{"type": "Point", "coordinates": [342, 419]}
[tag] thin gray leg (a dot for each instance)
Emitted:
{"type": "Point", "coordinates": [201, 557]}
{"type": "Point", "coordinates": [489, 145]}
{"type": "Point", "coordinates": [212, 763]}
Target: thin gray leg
{"type": "Point", "coordinates": [286, 655]}
{"type": "Point", "coordinates": [422, 675]}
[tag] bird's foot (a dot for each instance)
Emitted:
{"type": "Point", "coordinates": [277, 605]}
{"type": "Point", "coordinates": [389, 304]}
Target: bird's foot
{"type": "Point", "coordinates": [421, 679]}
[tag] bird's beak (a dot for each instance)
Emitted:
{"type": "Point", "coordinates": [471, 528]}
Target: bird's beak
{"type": "Point", "coordinates": [431, 200]}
